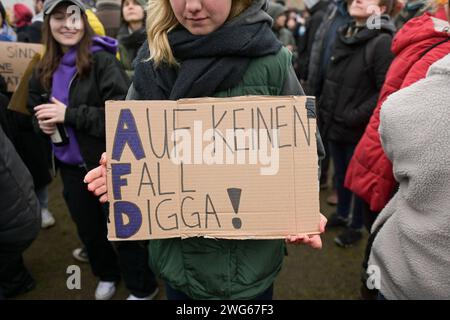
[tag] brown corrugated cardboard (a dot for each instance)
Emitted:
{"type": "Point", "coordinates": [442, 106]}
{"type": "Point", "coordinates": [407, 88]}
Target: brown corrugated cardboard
{"type": "Point", "coordinates": [261, 187]}
{"type": "Point", "coordinates": [14, 60]}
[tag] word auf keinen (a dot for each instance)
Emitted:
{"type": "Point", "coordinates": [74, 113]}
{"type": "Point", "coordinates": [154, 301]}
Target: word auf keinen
{"type": "Point", "coordinates": [261, 121]}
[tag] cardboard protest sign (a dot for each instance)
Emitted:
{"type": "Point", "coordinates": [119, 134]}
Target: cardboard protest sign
{"type": "Point", "coordinates": [14, 60]}
{"type": "Point", "coordinates": [19, 98]}
{"type": "Point", "coordinates": [235, 168]}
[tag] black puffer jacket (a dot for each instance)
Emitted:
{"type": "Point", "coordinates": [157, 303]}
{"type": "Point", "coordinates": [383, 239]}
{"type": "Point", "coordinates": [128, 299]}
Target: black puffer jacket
{"type": "Point", "coordinates": [31, 33]}
{"type": "Point", "coordinates": [317, 13]}
{"type": "Point", "coordinates": [33, 149]}
{"type": "Point", "coordinates": [86, 110]}
{"type": "Point", "coordinates": [20, 215]}
{"type": "Point", "coordinates": [358, 66]}
{"type": "Point", "coordinates": [129, 44]}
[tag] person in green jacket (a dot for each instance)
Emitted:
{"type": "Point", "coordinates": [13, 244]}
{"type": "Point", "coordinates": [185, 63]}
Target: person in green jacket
{"type": "Point", "coordinates": [201, 48]}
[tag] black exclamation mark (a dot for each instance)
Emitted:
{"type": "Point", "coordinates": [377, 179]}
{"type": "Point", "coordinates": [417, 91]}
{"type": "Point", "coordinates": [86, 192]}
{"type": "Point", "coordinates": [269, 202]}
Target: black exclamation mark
{"type": "Point", "coordinates": [235, 196]}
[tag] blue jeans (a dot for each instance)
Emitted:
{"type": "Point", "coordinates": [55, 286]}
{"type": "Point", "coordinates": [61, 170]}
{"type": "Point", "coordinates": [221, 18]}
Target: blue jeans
{"type": "Point", "coordinates": [342, 154]}
{"type": "Point", "coordinates": [173, 294]}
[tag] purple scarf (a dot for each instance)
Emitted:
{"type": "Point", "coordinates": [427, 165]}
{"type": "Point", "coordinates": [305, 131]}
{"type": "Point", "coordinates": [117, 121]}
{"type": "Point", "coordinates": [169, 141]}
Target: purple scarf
{"type": "Point", "coordinates": [62, 78]}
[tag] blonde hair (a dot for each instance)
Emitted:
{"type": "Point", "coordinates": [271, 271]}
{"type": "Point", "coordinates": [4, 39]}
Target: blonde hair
{"type": "Point", "coordinates": [434, 5]}
{"type": "Point", "coordinates": [161, 20]}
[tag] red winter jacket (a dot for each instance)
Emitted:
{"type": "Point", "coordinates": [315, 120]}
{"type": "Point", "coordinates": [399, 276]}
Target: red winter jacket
{"type": "Point", "coordinates": [369, 174]}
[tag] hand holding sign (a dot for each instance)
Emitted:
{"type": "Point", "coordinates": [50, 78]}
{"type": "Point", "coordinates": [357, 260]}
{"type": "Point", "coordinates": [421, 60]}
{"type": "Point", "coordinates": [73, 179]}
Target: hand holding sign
{"type": "Point", "coordinates": [313, 240]}
{"type": "Point", "coordinates": [96, 180]}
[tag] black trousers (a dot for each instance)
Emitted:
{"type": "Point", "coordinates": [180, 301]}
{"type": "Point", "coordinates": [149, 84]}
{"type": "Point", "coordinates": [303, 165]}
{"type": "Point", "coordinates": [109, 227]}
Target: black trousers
{"type": "Point", "coordinates": [133, 261]}
{"type": "Point", "coordinates": [14, 276]}
{"type": "Point", "coordinates": [325, 164]}
{"type": "Point", "coordinates": [90, 218]}
{"type": "Point", "coordinates": [369, 216]}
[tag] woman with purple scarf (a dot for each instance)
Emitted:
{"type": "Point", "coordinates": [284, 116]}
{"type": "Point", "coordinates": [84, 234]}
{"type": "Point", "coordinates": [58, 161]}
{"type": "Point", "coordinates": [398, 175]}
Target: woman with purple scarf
{"type": "Point", "coordinates": [67, 93]}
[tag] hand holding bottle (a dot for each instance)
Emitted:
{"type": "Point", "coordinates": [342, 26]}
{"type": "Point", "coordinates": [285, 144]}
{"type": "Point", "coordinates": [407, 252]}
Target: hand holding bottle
{"type": "Point", "coordinates": [50, 113]}
{"type": "Point", "coordinates": [51, 118]}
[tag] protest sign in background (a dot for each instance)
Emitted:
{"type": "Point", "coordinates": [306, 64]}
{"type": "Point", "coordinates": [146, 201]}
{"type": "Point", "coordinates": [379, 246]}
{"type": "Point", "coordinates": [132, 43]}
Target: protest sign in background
{"type": "Point", "coordinates": [14, 60]}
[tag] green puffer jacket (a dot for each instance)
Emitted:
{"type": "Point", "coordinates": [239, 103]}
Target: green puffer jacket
{"type": "Point", "coordinates": [229, 269]}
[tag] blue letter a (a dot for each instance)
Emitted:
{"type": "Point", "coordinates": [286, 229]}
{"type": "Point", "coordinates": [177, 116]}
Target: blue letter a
{"type": "Point", "coordinates": [126, 132]}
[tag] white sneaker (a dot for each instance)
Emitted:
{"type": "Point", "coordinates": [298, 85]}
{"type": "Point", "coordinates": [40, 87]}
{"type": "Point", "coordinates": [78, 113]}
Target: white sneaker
{"type": "Point", "coordinates": [80, 254]}
{"type": "Point", "coordinates": [47, 219]}
{"type": "Point", "coordinates": [150, 297]}
{"type": "Point", "coordinates": [105, 290]}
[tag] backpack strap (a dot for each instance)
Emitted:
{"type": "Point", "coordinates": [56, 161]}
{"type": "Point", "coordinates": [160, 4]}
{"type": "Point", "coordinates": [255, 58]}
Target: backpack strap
{"type": "Point", "coordinates": [432, 47]}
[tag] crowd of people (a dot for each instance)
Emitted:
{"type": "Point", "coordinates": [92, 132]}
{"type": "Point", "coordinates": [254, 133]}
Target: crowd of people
{"type": "Point", "coordinates": [377, 68]}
